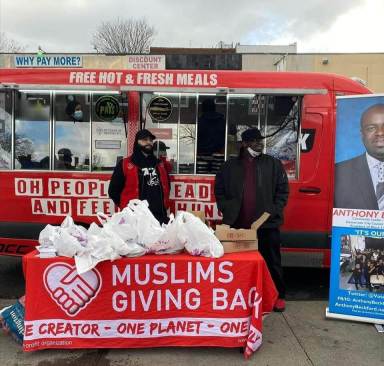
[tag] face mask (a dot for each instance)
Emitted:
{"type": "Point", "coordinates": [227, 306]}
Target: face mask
{"type": "Point", "coordinates": [253, 153]}
{"type": "Point", "coordinates": [78, 115]}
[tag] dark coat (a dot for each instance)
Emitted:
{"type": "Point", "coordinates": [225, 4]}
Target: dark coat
{"type": "Point", "coordinates": [271, 189]}
{"type": "Point", "coordinates": [353, 185]}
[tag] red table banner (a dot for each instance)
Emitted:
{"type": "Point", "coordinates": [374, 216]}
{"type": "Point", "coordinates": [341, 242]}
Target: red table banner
{"type": "Point", "coordinates": [150, 301]}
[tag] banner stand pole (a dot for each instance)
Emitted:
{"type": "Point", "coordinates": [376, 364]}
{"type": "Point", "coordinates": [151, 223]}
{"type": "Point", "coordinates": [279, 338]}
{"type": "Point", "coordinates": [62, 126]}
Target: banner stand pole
{"type": "Point", "coordinates": [361, 319]}
{"type": "Point", "coordinates": [379, 328]}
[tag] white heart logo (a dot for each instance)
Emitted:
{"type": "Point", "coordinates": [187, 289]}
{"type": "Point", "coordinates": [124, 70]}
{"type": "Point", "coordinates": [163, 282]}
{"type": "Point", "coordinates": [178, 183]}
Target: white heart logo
{"type": "Point", "coordinates": [70, 291]}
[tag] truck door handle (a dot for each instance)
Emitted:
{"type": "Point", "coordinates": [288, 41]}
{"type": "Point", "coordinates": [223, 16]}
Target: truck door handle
{"type": "Point", "coordinates": [313, 190]}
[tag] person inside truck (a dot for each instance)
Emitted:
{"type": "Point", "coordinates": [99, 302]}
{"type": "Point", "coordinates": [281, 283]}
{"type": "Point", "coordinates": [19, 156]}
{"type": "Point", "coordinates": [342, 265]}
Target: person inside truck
{"type": "Point", "coordinates": [359, 182]}
{"type": "Point", "coordinates": [210, 138]}
{"type": "Point", "coordinates": [64, 161]}
{"type": "Point", "coordinates": [27, 163]}
{"type": "Point", "coordinates": [74, 109]}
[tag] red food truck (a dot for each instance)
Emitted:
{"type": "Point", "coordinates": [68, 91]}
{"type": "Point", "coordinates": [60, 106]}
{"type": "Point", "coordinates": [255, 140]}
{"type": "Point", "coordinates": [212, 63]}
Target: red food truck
{"type": "Point", "coordinates": [63, 130]}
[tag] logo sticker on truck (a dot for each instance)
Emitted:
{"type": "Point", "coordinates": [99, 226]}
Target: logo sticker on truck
{"type": "Point", "coordinates": [307, 139]}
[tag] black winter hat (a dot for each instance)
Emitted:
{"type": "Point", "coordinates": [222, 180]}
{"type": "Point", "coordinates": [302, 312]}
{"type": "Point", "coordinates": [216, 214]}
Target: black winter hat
{"type": "Point", "coordinates": [251, 135]}
{"type": "Point", "coordinates": [143, 134]}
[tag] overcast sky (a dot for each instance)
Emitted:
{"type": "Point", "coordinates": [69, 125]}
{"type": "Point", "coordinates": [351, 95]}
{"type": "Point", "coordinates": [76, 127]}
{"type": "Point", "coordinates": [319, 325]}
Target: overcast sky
{"type": "Point", "coordinates": [316, 25]}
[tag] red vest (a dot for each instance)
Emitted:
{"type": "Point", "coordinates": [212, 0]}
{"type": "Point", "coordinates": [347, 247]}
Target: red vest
{"type": "Point", "coordinates": [131, 186]}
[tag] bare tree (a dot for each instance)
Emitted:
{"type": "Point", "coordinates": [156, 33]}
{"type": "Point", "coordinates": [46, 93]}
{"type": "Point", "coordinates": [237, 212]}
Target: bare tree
{"type": "Point", "coordinates": [9, 45]}
{"type": "Point", "coordinates": [97, 161]}
{"type": "Point", "coordinates": [187, 133]}
{"type": "Point", "coordinates": [124, 36]}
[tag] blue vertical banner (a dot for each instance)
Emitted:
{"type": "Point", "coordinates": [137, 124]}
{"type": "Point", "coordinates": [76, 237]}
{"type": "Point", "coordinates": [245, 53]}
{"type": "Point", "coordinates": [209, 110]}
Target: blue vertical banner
{"type": "Point", "coordinates": [357, 258]}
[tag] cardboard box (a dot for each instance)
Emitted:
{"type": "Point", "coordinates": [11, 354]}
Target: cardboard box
{"type": "Point", "coordinates": [199, 214]}
{"type": "Point", "coordinates": [240, 246]}
{"type": "Point", "coordinates": [225, 233]}
{"type": "Point", "coordinates": [240, 240]}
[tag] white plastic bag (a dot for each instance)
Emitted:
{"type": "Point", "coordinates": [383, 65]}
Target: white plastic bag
{"type": "Point", "coordinates": [85, 262]}
{"type": "Point", "coordinates": [99, 248]}
{"type": "Point", "coordinates": [141, 209]}
{"type": "Point", "coordinates": [169, 241]}
{"type": "Point", "coordinates": [121, 247]}
{"type": "Point", "coordinates": [122, 223]}
{"type": "Point", "coordinates": [94, 229]}
{"type": "Point", "coordinates": [119, 232]}
{"type": "Point", "coordinates": [68, 239]}
{"type": "Point", "coordinates": [67, 245]}
{"type": "Point", "coordinates": [149, 230]}
{"type": "Point", "coordinates": [199, 239]}
{"type": "Point", "coordinates": [77, 231]}
{"type": "Point", "coordinates": [47, 236]}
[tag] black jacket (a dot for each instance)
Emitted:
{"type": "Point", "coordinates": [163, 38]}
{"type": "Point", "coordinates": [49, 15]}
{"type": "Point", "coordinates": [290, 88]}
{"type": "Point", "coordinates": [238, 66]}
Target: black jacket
{"type": "Point", "coordinates": [271, 189]}
{"type": "Point", "coordinates": [353, 185]}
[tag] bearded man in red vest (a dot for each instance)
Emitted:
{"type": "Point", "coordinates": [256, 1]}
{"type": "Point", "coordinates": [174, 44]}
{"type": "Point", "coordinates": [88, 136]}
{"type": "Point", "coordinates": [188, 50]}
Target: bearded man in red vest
{"type": "Point", "coordinates": [142, 176]}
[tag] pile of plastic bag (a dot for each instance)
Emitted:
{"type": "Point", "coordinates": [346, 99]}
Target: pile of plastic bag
{"type": "Point", "coordinates": [132, 232]}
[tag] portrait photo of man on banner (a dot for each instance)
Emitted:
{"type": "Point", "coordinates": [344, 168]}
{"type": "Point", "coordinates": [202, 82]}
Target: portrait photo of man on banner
{"type": "Point", "coordinates": [357, 259]}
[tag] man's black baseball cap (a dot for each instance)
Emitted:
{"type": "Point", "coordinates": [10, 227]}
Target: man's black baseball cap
{"type": "Point", "coordinates": [251, 135]}
{"type": "Point", "coordinates": [143, 134]}
{"type": "Point", "coordinates": [162, 146]}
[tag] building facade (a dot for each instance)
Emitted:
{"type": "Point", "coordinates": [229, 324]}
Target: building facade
{"type": "Point", "coordinates": [365, 67]}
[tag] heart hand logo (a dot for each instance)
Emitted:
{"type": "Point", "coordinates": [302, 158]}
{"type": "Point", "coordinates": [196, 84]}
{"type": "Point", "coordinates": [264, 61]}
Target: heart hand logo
{"type": "Point", "coordinates": [70, 291]}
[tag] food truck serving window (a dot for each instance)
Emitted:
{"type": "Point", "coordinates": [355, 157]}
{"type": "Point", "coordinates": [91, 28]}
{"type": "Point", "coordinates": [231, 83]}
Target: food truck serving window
{"type": "Point", "coordinates": [78, 131]}
{"type": "Point", "coordinates": [196, 133]}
